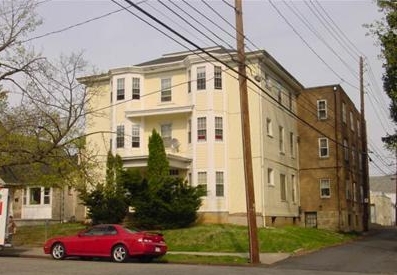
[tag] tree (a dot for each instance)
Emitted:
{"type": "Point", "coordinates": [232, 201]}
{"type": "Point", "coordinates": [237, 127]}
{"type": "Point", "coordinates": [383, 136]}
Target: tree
{"type": "Point", "coordinates": [161, 201]}
{"type": "Point", "coordinates": [43, 130]}
{"type": "Point", "coordinates": [107, 202]}
{"type": "Point", "coordinates": [385, 32]}
{"type": "Point", "coordinates": [47, 128]}
{"type": "Point", "coordinates": [157, 166]}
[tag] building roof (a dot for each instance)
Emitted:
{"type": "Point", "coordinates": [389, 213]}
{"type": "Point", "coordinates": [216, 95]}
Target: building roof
{"type": "Point", "coordinates": [386, 184]}
{"type": "Point", "coordinates": [180, 56]}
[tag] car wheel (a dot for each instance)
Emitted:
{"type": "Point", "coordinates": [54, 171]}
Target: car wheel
{"type": "Point", "coordinates": [58, 251]}
{"type": "Point", "coordinates": [119, 253]}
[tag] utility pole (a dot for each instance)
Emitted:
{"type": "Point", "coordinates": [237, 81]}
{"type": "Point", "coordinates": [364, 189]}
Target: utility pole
{"type": "Point", "coordinates": [246, 138]}
{"type": "Point", "coordinates": [365, 182]}
{"type": "Point", "coordinates": [395, 202]}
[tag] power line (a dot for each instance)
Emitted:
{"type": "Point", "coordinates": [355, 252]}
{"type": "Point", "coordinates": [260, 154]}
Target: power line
{"type": "Point", "coordinates": [310, 47]}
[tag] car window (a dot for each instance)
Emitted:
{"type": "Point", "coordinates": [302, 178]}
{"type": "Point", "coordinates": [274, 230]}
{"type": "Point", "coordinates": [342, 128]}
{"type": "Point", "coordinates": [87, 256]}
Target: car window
{"type": "Point", "coordinates": [95, 231]}
{"type": "Point", "coordinates": [111, 230]}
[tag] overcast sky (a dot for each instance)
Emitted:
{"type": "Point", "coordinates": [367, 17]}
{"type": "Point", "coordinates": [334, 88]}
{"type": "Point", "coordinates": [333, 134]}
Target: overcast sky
{"type": "Point", "coordinates": [318, 42]}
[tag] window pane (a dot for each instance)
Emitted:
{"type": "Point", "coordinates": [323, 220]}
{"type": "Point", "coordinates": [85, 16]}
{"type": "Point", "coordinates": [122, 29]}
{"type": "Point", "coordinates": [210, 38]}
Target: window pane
{"type": "Point", "coordinates": [47, 196]}
{"type": "Point", "coordinates": [325, 188]}
{"type": "Point", "coordinates": [270, 177]}
{"type": "Point", "coordinates": [120, 136]}
{"type": "Point", "coordinates": [217, 77]}
{"type": "Point", "coordinates": [35, 195]}
{"type": "Point", "coordinates": [219, 184]}
{"type": "Point", "coordinates": [323, 150]}
{"type": "Point", "coordinates": [322, 109]}
{"type": "Point", "coordinates": [166, 90]}
{"type": "Point", "coordinates": [281, 139]}
{"type": "Point", "coordinates": [283, 188]}
{"type": "Point", "coordinates": [202, 129]}
{"type": "Point", "coordinates": [135, 136]}
{"type": "Point", "coordinates": [202, 180]}
{"type": "Point", "coordinates": [136, 90]}
{"type": "Point", "coordinates": [120, 89]}
{"type": "Point", "coordinates": [201, 81]}
{"type": "Point", "coordinates": [218, 128]}
{"type": "Point", "coordinates": [166, 134]}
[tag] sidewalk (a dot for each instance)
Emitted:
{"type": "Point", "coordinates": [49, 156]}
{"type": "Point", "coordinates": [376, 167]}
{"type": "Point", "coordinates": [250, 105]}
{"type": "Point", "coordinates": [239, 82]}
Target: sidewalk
{"type": "Point", "coordinates": [37, 252]}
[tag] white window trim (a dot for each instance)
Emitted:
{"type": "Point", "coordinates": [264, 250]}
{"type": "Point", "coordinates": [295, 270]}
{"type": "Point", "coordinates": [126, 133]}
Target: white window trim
{"type": "Point", "coordinates": [320, 147]}
{"type": "Point", "coordinates": [324, 182]}
{"type": "Point", "coordinates": [319, 111]}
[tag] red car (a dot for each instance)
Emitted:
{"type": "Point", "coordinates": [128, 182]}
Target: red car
{"type": "Point", "coordinates": [108, 240]}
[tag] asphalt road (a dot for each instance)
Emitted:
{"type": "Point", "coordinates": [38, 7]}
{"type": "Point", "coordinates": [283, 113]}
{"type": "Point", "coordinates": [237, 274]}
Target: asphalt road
{"type": "Point", "coordinates": [374, 253]}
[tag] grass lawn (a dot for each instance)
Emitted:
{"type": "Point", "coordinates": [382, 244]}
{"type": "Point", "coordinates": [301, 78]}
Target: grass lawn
{"type": "Point", "coordinates": [207, 238]}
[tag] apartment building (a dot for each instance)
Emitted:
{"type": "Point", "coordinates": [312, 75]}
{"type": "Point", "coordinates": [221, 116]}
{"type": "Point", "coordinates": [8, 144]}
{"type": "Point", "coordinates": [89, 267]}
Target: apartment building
{"type": "Point", "coordinates": [192, 100]}
{"type": "Point", "coordinates": [332, 175]}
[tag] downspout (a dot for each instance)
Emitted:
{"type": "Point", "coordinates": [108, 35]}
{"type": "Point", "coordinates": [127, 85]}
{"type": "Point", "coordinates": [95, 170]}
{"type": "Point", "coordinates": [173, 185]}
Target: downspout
{"type": "Point", "coordinates": [335, 88]}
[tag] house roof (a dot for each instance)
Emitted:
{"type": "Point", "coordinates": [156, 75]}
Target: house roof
{"type": "Point", "coordinates": [180, 56]}
{"type": "Point", "coordinates": [386, 184]}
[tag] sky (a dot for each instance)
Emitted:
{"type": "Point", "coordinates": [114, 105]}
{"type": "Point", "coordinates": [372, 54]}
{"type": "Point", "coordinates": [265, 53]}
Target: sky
{"type": "Point", "coordinates": [318, 42]}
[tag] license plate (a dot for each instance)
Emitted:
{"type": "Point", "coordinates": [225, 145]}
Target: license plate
{"type": "Point", "coordinates": [157, 249]}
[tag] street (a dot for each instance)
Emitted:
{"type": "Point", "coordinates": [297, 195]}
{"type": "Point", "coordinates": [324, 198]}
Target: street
{"type": "Point", "coordinates": [374, 254]}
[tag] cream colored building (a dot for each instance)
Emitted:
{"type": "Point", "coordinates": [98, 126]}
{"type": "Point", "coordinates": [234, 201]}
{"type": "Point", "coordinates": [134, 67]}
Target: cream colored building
{"type": "Point", "coordinates": [192, 100]}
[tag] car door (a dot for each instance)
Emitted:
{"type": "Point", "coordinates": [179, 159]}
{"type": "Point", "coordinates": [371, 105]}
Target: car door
{"type": "Point", "coordinates": [86, 244]}
{"type": "Point", "coordinates": [105, 242]}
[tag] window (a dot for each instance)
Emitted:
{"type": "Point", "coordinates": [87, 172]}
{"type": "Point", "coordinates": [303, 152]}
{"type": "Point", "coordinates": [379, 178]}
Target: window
{"type": "Point", "coordinates": [47, 195]}
{"type": "Point", "coordinates": [218, 129]}
{"type": "Point", "coordinates": [358, 128]}
{"type": "Point", "coordinates": [136, 88]}
{"type": "Point", "coordinates": [189, 81]}
{"type": "Point", "coordinates": [35, 196]}
{"type": "Point", "coordinates": [120, 136]}
{"type": "Point", "coordinates": [279, 93]}
{"type": "Point", "coordinates": [281, 145]}
{"type": "Point", "coordinates": [344, 112]}
{"type": "Point", "coordinates": [270, 176]}
{"type": "Point", "coordinates": [135, 139]}
{"type": "Point", "coordinates": [279, 97]}
{"type": "Point", "coordinates": [353, 155]}
{"type": "Point", "coordinates": [346, 149]}
{"type": "Point", "coordinates": [290, 101]}
{"type": "Point", "coordinates": [292, 144]}
{"type": "Point", "coordinates": [189, 131]}
{"type": "Point", "coordinates": [325, 188]}
{"type": "Point", "coordinates": [323, 147]}
{"type": "Point", "coordinates": [202, 180]}
{"type": "Point", "coordinates": [294, 189]}
{"type": "Point", "coordinates": [201, 129]}
{"type": "Point", "coordinates": [354, 191]}
{"type": "Point", "coordinates": [322, 109]}
{"type": "Point", "coordinates": [219, 184]}
{"type": "Point", "coordinates": [351, 122]}
{"type": "Point", "coordinates": [174, 172]}
{"type": "Point", "coordinates": [283, 188]}
{"type": "Point", "coordinates": [217, 77]}
{"type": "Point", "coordinates": [269, 127]}
{"type": "Point", "coordinates": [120, 89]}
{"type": "Point", "coordinates": [348, 191]}
{"type": "Point", "coordinates": [166, 134]}
{"type": "Point", "coordinates": [201, 81]}
{"type": "Point", "coordinates": [166, 90]}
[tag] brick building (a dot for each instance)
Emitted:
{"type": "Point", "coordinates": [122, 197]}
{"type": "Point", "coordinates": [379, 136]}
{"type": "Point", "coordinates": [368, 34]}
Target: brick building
{"type": "Point", "coordinates": [332, 178]}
